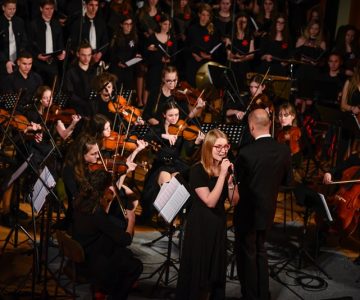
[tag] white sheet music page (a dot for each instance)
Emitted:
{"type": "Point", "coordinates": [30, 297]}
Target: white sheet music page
{"type": "Point", "coordinates": [40, 191]}
{"type": "Point", "coordinates": [133, 61]}
{"type": "Point", "coordinates": [160, 200]}
{"type": "Point", "coordinates": [175, 203]}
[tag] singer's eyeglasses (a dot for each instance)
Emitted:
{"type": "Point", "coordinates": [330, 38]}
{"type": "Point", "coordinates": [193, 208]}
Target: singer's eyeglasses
{"type": "Point", "coordinates": [225, 147]}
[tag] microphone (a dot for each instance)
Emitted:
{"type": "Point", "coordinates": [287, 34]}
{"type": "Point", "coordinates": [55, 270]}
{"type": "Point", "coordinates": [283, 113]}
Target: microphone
{"type": "Point", "coordinates": [231, 173]}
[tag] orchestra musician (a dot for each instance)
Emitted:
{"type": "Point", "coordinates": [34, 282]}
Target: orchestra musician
{"type": "Point", "coordinates": [168, 161]}
{"type": "Point", "coordinates": [289, 133]}
{"type": "Point", "coordinates": [109, 262]}
{"type": "Point", "coordinates": [203, 263]}
{"type": "Point", "coordinates": [152, 110]}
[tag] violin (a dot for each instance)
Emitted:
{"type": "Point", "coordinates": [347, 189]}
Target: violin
{"type": "Point", "coordinates": [114, 141]}
{"type": "Point", "coordinates": [130, 113]}
{"type": "Point", "coordinates": [181, 128]}
{"type": "Point", "coordinates": [56, 113]}
{"type": "Point", "coordinates": [347, 202]}
{"type": "Point", "coordinates": [117, 166]}
{"type": "Point", "coordinates": [263, 101]}
{"type": "Point", "coordinates": [290, 135]}
{"type": "Point", "coordinates": [185, 92]}
{"type": "Point", "coordinates": [17, 121]}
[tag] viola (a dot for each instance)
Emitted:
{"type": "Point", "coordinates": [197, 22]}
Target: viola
{"type": "Point", "coordinates": [114, 141]}
{"type": "Point", "coordinates": [114, 106]}
{"type": "Point", "coordinates": [181, 128]}
{"type": "Point", "coordinates": [56, 113]}
{"type": "Point", "coordinates": [347, 202]}
{"type": "Point", "coordinates": [290, 135]}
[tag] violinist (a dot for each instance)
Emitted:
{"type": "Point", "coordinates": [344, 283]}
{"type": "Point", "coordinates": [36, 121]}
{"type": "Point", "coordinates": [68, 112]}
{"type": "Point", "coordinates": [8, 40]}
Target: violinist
{"type": "Point", "coordinates": [83, 152]}
{"type": "Point", "coordinates": [110, 264]}
{"type": "Point", "coordinates": [152, 111]}
{"type": "Point", "coordinates": [105, 85]}
{"type": "Point", "coordinates": [289, 133]}
{"type": "Point", "coordinates": [257, 96]}
{"type": "Point", "coordinates": [168, 161]}
{"type": "Point", "coordinates": [43, 104]}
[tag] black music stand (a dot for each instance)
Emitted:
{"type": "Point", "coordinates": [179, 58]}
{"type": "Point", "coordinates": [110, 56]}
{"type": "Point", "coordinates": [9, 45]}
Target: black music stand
{"type": "Point", "coordinates": [313, 202]}
{"type": "Point", "coordinates": [169, 207]}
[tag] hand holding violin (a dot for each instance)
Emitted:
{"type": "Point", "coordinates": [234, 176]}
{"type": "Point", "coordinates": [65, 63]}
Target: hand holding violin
{"type": "Point", "coordinates": [327, 178]}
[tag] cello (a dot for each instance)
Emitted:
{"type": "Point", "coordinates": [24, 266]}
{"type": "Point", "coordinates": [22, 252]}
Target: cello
{"type": "Point", "coordinates": [346, 201]}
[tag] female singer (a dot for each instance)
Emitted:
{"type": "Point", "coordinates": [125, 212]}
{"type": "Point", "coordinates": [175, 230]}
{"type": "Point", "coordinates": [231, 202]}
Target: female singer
{"type": "Point", "coordinates": [201, 39]}
{"type": "Point", "coordinates": [275, 47]}
{"type": "Point", "coordinates": [152, 111]}
{"type": "Point", "coordinates": [222, 18]}
{"type": "Point", "coordinates": [265, 18]}
{"type": "Point", "coordinates": [110, 263]}
{"type": "Point", "coordinates": [159, 48]}
{"type": "Point", "coordinates": [310, 46]}
{"type": "Point", "coordinates": [202, 272]}
{"type": "Point", "coordinates": [347, 44]}
{"type": "Point", "coordinates": [289, 133]}
{"type": "Point", "coordinates": [237, 52]}
{"type": "Point", "coordinates": [168, 161]}
{"type": "Point", "coordinates": [124, 46]}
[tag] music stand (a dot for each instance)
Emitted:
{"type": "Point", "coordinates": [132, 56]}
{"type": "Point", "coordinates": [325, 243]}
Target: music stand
{"type": "Point", "coordinates": [171, 198]}
{"type": "Point", "coordinates": [313, 202]}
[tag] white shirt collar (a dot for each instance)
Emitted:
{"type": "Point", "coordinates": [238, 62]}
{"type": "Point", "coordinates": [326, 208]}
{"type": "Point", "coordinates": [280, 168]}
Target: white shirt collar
{"type": "Point", "coordinates": [263, 135]}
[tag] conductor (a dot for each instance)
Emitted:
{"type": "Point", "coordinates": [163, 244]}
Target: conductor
{"type": "Point", "coordinates": [261, 167]}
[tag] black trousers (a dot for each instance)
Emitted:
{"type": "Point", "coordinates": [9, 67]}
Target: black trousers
{"type": "Point", "coordinates": [252, 263]}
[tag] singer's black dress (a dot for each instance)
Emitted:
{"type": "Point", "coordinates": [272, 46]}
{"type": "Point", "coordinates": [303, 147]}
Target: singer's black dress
{"type": "Point", "coordinates": [203, 262]}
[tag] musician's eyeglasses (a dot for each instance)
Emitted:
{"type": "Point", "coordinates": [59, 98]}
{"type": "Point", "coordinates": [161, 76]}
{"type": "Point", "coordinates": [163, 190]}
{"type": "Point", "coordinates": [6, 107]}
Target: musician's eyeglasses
{"type": "Point", "coordinates": [222, 147]}
{"type": "Point", "coordinates": [170, 80]}
{"type": "Point", "coordinates": [129, 24]}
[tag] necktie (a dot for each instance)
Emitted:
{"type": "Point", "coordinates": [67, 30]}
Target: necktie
{"type": "Point", "coordinates": [92, 35]}
{"type": "Point", "coordinates": [12, 43]}
{"type": "Point", "coordinates": [48, 39]}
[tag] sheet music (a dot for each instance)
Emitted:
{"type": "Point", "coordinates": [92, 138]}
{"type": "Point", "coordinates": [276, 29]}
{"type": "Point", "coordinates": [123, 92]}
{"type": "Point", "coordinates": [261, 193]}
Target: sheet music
{"type": "Point", "coordinates": [133, 61]}
{"type": "Point", "coordinates": [328, 214]}
{"type": "Point", "coordinates": [170, 199]}
{"type": "Point", "coordinates": [175, 203]}
{"type": "Point", "coordinates": [19, 171]}
{"type": "Point", "coordinates": [214, 49]}
{"type": "Point", "coordinates": [40, 191]}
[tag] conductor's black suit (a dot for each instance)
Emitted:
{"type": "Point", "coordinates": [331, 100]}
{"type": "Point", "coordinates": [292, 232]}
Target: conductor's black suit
{"type": "Point", "coordinates": [261, 167]}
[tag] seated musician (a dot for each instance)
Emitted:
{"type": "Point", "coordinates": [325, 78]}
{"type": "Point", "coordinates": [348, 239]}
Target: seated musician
{"type": "Point", "coordinates": [257, 99]}
{"type": "Point", "coordinates": [43, 101]}
{"type": "Point", "coordinates": [152, 110]}
{"type": "Point", "coordinates": [109, 262]}
{"type": "Point", "coordinates": [168, 161]}
{"type": "Point", "coordinates": [83, 152]}
{"type": "Point", "coordinates": [289, 133]}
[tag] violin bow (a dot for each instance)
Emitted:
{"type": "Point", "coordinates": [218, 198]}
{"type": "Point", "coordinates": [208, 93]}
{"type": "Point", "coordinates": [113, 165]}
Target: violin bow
{"type": "Point", "coordinates": [345, 181]}
{"type": "Point", "coordinates": [127, 132]}
{"type": "Point", "coordinates": [51, 99]}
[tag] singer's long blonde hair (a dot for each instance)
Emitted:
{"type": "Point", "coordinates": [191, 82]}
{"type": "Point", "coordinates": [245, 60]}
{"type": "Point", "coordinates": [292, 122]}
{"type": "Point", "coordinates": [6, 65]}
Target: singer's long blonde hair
{"type": "Point", "coordinates": [207, 159]}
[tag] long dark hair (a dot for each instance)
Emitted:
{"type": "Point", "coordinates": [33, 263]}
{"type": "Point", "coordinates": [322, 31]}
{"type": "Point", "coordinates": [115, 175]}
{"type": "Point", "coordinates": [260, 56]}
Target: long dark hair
{"type": "Point", "coordinates": [91, 191]}
{"type": "Point", "coordinates": [120, 39]}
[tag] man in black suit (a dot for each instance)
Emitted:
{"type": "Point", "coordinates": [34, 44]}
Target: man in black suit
{"type": "Point", "coordinates": [260, 168]}
{"type": "Point", "coordinates": [13, 38]}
